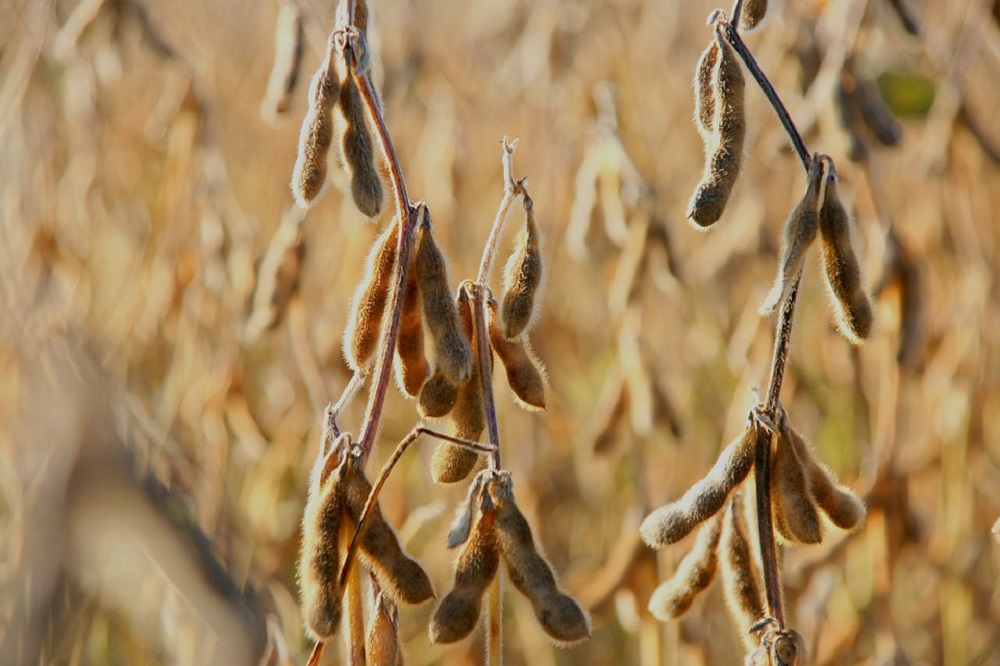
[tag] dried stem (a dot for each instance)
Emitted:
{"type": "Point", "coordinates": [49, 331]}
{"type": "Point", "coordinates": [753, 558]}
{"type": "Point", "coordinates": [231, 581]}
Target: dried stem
{"type": "Point", "coordinates": [406, 214]}
{"type": "Point", "coordinates": [480, 290]}
{"type": "Point", "coordinates": [732, 35]}
{"type": "Point", "coordinates": [511, 189]}
{"type": "Point", "coordinates": [783, 338]}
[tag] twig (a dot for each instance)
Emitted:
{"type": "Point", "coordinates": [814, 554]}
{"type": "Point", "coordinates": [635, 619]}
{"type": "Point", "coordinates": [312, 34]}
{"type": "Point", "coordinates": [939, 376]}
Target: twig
{"type": "Point", "coordinates": [729, 30]}
{"type": "Point", "coordinates": [384, 475]}
{"type": "Point", "coordinates": [478, 294]}
{"type": "Point", "coordinates": [783, 338]}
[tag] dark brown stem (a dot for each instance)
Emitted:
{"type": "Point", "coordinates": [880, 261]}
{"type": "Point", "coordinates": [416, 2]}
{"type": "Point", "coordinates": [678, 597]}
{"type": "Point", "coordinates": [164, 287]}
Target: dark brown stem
{"type": "Point", "coordinates": [762, 458]}
{"type": "Point", "coordinates": [732, 35]}
{"type": "Point", "coordinates": [407, 219]}
{"type": "Point", "coordinates": [783, 338]}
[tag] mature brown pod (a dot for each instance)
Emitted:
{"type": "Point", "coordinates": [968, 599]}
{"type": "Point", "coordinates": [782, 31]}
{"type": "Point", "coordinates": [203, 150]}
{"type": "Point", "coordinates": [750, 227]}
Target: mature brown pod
{"type": "Point", "coordinates": [437, 397]}
{"type": "Point", "coordinates": [843, 273]}
{"type": "Point", "coordinates": [357, 149]}
{"type": "Point", "coordinates": [278, 277]}
{"type": "Point", "coordinates": [399, 575]}
{"type": "Point", "coordinates": [524, 373]}
{"type": "Point", "coordinates": [289, 39]}
{"type": "Point", "coordinates": [453, 357]}
{"type": "Point", "coordinates": [382, 637]}
{"type": "Point", "coordinates": [801, 228]}
{"type": "Point", "coordinates": [723, 164]}
{"type": "Point", "coordinates": [694, 574]}
{"type": "Point", "coordinates": [451, 463]}
{"type": "Point", "coordinates": [793, 506]}
{"type": "Point", "coordinates": [841, 505]}
{"type": "Point", "coordinates": [674, 521]}
{"type": "Point", "coordinates": [319, 558]}
{"type": "Point", "coordinates": [411, 368]}
{"type": "Point", "coordinates": [523, 276]}
{"type": "Point", "coordinates": [559, 615]}
{"type": "Point", "coordinates": [364, 323]}
{"type": "Point", "coordinates": [753, 14]}
{"type": "Point", "coordinates": [316, 136]}
{"type": "Point", "coordinates": [704, 94]}
{"type": "Point", "coordinates": [475, 568]}
{"type": "Point", "coordinates": [740, 574]}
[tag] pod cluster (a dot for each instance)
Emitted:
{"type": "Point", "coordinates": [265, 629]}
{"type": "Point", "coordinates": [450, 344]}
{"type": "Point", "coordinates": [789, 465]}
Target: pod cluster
{"type": "Point", "coordinates": [805, 496]}
{"type": "Point", "coordinates": [822, 214]}
{"type": "Point", "coordinates": [490, 527]}
{"type": "Point", "coordinates": [454, 388]}
{"type": "Point", "coordinates": [337, 108]}
{"type": "Point", "coordinates": [338, 492]}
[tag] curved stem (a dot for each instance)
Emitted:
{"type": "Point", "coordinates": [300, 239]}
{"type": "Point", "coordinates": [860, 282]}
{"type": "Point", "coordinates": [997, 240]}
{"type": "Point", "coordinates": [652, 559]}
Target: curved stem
{"type": "Point", "coordinates": [732, 36]}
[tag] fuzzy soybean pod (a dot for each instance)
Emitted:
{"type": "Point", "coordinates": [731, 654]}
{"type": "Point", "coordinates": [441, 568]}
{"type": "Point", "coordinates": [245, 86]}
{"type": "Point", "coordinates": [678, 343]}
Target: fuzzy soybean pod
{"type": "Point", "coordinates": [559, 615]}
{"type": "Point", "coordinates": [522, 278]}
{"type": "Point", "coordinates": [801, 228]}
{"type": "Point", "coordinates": [289, 39]}
{"type": "Point", "coordinates": [316, 135]}
{"type": "Point", "coordinates": [704, 93]}
{"type": "Point", "coordinates": [740, 574]}
{"type": "Point", "coordinates": [840, 504]}
{"type": "Point", "coordinates": [382, 637]}
{"type": "Point", "coordinates": [357, 149]}
{"type": "Point", "coordinates": [843, 273]}
{"type": "Point", "coordinates": [400, 576]}
{"type": "Point", "coordinates": [451, 463]}
{"type": "Point", "coordinates": [364, 323]}
{"type": "Point", "coordinates": [722, 166]}
{"type": "Point", "coordinates": [673, 522]}
{"type": "Point", "coordinates": [475, 568]}
{"type": "Point", "coordinates": [753, 14]}
{"type": "Point", "coordinates": [319, 559]}
{"type": "Point", "coordinates": [437, 396]}
{"type": "Point", "coordinates": [694, 574]}
{"type": "Point", "coordinates": [452, 355]}
{"type": "Point", "coordinates": [524, 373]}
{"type": "Point", "coordinates": [411, 368]}
{"type": "Point", "coordinates": [794, 509]}
{"type": "Point", "coordinates": [278, 277]}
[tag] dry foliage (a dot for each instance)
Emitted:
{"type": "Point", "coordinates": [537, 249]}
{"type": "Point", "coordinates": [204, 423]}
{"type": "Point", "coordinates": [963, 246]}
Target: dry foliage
{"type": "Point", "coordinates": [172, 328]}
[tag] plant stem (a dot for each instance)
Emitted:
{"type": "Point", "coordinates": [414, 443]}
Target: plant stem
{"type": "Point", "coordinates": [407, 219]}
{"type": "Point", "coordinates": [783, 338]}
{"type": "Point", "coordinates": [732, 35]}
{"type": "Point", "coordinates": [512, 189]}
{"type": "Point", "coordinates": [762, 458]}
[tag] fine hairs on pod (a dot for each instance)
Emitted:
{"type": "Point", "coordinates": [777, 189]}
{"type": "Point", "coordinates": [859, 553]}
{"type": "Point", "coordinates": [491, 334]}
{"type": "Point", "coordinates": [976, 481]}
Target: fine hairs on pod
{"type": "Point", "coordinates": [364, 323]}
{"type": "Point", "coordinates": [475, 568]}
{"type": "Point", "coordinates": [451, 463]}
{"type": "Point", "coordinates": [559, 615]}
{"type": "Point", "coordinates": [855, 316]}
{"type": "Point", "coordinates": [523, 277]}
{"type": "Point", "coordinates": [725, 154]}
{"type": "Point", "coordinates": [316, 136]}
{"type": "Point", "coordinates": [400, 576]}
{"type": "Point", "coordinates": [321, 548]}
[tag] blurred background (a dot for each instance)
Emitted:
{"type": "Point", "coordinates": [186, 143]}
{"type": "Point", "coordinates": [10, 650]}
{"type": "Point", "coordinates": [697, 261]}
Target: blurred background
{"type": "Point", "coordinates": [154, 448]}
